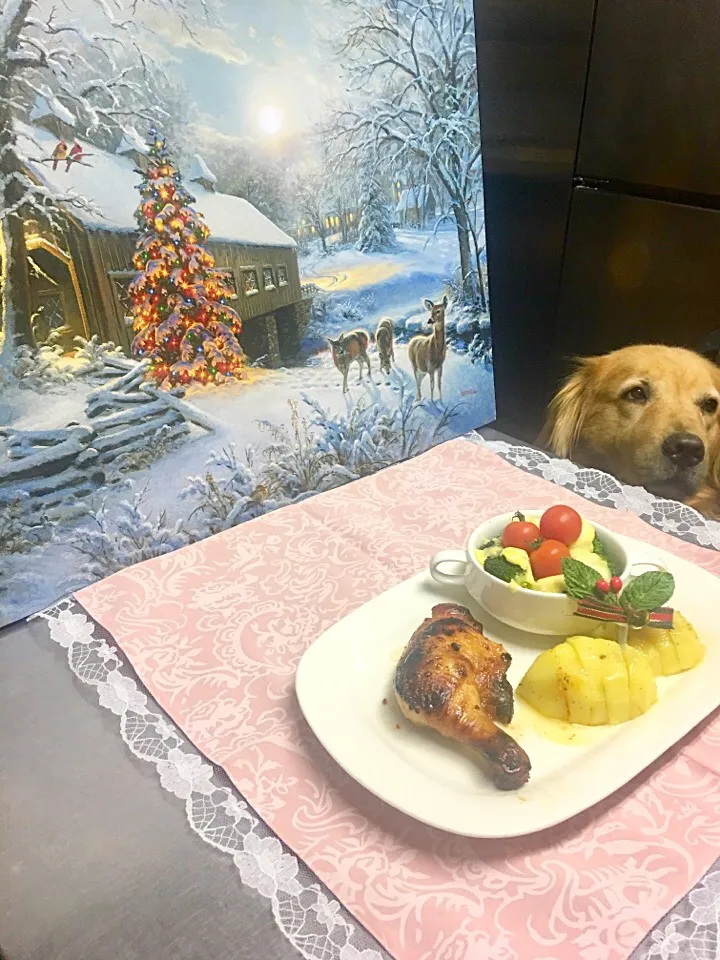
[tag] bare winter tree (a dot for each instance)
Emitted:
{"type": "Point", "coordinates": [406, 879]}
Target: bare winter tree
{"type": "Point", "coordinates": [345, 193]}
{"type": "Point", "coordinates": [99, 71]}
{"type": "Point", "coordinates": [313, 194]}
{"type": "Point", "coordinates": [411, 66]}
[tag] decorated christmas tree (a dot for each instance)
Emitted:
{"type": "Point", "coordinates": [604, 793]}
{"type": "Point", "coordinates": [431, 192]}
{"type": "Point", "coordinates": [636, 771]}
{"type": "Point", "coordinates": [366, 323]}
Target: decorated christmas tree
{"type": "Point", "coordinates": [182, 318]}
{"type": "Point", "coordinates": [375, 234]}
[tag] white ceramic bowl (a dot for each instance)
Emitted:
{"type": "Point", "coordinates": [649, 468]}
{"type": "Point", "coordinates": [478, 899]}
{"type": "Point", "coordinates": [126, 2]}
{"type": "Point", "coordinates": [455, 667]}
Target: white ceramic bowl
{"type": "Point", "coordinates": [529, 610]}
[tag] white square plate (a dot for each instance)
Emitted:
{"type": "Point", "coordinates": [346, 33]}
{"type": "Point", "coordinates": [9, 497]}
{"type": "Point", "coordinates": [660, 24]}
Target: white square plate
{"type": "Point", "coordinates": [345, 676]}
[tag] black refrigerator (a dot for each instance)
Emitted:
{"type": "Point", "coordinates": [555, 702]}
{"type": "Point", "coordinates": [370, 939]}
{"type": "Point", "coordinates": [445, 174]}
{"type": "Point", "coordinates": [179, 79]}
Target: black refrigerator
{"type": "Point", "coordinates": [601, 123]}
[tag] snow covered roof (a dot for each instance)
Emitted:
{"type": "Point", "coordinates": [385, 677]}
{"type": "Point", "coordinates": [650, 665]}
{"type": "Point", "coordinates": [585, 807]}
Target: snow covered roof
{"type": "Point", "coordinates": [50, 106]}
{"type": "Point", "coordinates": [109, 183]}
{"type": "Point", "coordinates": [199, 170]}
{"type": "Point", "coordinates": [132, 142]}
{"type": "Point", "coordinates": [413, 199]}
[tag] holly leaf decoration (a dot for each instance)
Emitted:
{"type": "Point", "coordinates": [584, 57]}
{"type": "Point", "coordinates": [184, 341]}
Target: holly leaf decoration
{"type": "Point", "coordinates": [649, 591]}
{"type": "Point", "coordinates": [580, 579]}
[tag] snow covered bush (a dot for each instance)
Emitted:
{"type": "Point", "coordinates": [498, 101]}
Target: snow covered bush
{"type": "Point", "coordinates": [373, 436]}
{"type": "Point", "coordinates": [229, 493]}
{"type": "Point", "coordinates": [117, 535]}
{"type": "Point", "coordinates": [467, 326]}
{"type": "Point", "coordinates": [296, 464]}
{"type": "Point", "coordinates": [358, 444]}
{"type": "Point", "coordinates": [47, 369]}
{"type": "Point", "coordinates": [348, 314]}
{"type": "Point", "coordinates": [43, 370]}
{"type": "Point", "coordinates": [480, 349]}
{"type": "Point", "coordinates": [91, 355]}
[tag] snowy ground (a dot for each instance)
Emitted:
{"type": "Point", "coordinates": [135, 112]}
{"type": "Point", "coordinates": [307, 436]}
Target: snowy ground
{"type": "Point", "coordinates": [393, 285]}
{"type": "Point", "coordinates": [385, 286]}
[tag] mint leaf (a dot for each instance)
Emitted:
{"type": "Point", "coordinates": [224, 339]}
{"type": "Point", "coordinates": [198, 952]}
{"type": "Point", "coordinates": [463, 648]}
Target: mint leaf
{"type": "Point", "coordinates": [599, 548]}
{"type": "Point", "coordinates": [580, 579]}
{"type": "Point", "coordinates": [502, 569]}
{"type": "Point", "coordinates": [649, 591]}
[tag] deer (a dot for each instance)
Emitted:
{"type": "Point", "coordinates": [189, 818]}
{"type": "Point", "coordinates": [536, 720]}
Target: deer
{"type": "Point", "coordinates": [350, 347]}
{"type": "Point", "coordinates": [427, 352]}
{"type": "Point", "coordinates": [385, 342]}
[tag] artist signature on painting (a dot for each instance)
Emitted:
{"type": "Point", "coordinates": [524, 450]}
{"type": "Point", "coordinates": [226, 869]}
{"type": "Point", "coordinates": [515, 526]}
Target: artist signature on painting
{"type": "Point", "coordinates": [468, 393]}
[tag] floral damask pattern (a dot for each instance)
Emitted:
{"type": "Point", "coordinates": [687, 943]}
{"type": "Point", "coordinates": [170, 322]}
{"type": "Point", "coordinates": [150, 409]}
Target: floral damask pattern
{"type": "Point", "coordinates": [215, 632]}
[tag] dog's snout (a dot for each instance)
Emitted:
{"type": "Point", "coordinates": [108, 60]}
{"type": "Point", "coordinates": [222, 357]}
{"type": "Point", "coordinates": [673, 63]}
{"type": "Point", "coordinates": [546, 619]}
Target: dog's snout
{"type": "Point", "coordinates": [684, 449]}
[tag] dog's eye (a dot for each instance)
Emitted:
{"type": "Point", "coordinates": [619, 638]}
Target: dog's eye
{"type": "Point", "coordinates": [636, 395]}
{"type": "Point", "coordinates": [709, 405]}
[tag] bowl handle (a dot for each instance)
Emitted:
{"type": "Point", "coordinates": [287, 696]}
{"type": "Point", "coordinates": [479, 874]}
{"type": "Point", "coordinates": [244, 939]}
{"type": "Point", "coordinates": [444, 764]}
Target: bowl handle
{"type": "Point", "coordinates": [449, 556]}
{"type": "Point", "coordinates": [644, 563]}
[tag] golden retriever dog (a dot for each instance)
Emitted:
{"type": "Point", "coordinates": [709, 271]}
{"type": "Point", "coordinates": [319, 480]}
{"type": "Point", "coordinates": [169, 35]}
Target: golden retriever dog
{"type": "Point", "coordinates": [649, 415]}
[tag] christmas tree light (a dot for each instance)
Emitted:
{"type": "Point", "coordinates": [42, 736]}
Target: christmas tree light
{"type": "Point", "coordinates": [182, 318]}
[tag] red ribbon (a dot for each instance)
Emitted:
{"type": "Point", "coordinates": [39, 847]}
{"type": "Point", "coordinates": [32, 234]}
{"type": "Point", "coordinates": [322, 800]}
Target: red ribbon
{"type": "Point", "coordinates": [590, 609]}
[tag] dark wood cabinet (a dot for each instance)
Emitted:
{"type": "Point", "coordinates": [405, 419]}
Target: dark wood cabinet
{"type": "Point", "coordinates": [637, 270]}
{"type": "Point", "coordinates": [653, 95]}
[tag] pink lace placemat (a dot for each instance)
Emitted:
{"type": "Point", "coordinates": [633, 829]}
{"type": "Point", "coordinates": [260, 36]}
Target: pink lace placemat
{"type": "Point", "coordinates": [215, 632]}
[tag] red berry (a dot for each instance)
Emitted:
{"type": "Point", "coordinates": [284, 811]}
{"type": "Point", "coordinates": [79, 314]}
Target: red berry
{"type": "Point", "coordinates": [602, 586]}
{"type": "Point", "coordinates": [616, 584]}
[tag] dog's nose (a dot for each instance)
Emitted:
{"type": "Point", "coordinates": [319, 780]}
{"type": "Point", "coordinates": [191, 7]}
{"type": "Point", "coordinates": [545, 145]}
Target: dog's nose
{"type": "Point", "coordinates": [684, 449]}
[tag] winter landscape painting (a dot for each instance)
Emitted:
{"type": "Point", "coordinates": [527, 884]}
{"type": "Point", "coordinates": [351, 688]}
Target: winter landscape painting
{"type": "Point", "coordinates": [243, 262]}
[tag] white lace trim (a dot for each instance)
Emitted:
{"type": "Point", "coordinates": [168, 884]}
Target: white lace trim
{"type": "Point", "coordinates": [316, 924]}
{"type": "Point", "coordinates": [691, 930]}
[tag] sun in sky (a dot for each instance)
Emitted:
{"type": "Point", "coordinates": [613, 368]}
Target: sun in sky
{"type": "Point", "coordinates": [270, 120]}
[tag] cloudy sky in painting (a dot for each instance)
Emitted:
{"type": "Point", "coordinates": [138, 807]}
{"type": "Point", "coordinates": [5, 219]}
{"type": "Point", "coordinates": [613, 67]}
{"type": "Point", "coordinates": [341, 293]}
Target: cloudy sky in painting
{"type": "Point", "coordinates": [266, 74]}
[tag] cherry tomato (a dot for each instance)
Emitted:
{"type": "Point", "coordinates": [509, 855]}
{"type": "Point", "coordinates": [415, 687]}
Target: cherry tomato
{"type": "Point", "coordinates": [547, 560]}
{"type": "Point", "coordinates": [520, 534]}
{"type": "Point", "coordinates": [561, 523]}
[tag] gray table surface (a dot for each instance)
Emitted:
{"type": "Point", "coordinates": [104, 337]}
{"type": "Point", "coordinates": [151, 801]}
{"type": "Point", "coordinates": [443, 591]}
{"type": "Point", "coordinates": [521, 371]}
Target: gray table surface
{"type": "Point", "coordinates": [96, 861]}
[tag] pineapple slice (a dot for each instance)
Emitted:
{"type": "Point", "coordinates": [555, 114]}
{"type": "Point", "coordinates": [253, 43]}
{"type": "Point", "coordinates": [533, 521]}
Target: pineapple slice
{"type": "Point", "coordinates": [590, 680]}
{"type": "Point", "coordinates": [669, 651]}
{"type": "Point", "coordinates": [607, 661]}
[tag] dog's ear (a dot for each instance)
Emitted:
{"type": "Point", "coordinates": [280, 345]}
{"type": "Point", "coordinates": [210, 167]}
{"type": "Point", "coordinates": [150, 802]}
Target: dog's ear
{"type": "Point", "coordinates": [567, 411]}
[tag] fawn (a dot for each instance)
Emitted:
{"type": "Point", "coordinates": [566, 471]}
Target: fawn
{"type": "Point", "coordinates": [347, 348]}
{"type": "Point", "coordinates": [427, 353]}
{"type": "Point", "coordinates": [385, 342]}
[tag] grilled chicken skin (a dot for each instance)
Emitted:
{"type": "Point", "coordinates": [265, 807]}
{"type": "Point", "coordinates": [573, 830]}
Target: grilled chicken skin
{"type": "Point", "coordinates": [453, 679]}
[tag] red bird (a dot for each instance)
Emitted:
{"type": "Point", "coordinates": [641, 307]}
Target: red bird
{"type": "Point", "coordinates": [76, 154]}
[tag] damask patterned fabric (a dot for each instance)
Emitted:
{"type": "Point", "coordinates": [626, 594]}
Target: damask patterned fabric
{"type": "Point", "coordinates": [589, 889]}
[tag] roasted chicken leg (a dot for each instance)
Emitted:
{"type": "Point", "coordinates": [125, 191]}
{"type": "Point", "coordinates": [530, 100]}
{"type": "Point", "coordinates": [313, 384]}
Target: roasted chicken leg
{"type": "Point", "coordinates": [453, 679]}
